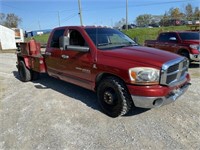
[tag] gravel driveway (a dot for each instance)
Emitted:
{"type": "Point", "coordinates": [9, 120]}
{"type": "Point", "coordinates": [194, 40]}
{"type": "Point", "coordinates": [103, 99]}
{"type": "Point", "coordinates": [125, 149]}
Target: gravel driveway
{"type": "Point", "coordinates": [52, 114]}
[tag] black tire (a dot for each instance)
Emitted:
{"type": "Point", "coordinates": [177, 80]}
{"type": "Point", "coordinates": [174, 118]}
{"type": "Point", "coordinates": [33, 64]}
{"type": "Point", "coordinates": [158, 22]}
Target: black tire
{"type": "Point", "coordinates": [113, 96]}
{"type": "Point", "coordinates": [35, 75]}
{"type": "Point", "coordinates": [185, 54]}
{"type": "Point", "coordinates": [24, 72]}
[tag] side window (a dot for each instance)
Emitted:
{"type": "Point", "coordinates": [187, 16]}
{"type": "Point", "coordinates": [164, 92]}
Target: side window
{"type": "Point", "coordinates": [173, 37]}
{"type": "Point", "coordinates": [55, 39]}
{"type": "Point", "coordinates": [75, 38]}
{"type": "Point", "coordinates": [164, 37]}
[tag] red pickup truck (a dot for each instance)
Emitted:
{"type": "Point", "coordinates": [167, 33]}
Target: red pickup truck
{"type": "Point", "coordinates": [104, 60]}
{"type": "Point", "coordinates": [185, 43]}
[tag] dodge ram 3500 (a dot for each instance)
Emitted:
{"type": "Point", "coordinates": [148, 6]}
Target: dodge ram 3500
{"type": "Point", "coordinates": [104, 60]}
{"type": "Point", "coordinates": [185, 43]}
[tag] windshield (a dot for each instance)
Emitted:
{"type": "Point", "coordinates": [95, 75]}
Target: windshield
{"type": "Point", "coordinates": [190, 36]}
{"type": "Point", "coordinates": [107, 38]}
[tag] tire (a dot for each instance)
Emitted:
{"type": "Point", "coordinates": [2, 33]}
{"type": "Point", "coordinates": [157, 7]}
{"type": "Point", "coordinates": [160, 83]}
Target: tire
{"type": "Point", "coordinates": [113, 96]}
{"type": "Point", "coordinates": [24, 72]}
{"type": "Point", "coordinates": [185, 54]}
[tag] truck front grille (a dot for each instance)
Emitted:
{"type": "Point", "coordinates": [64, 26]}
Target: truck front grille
{"type": "Point", "coordinates": [174, 71]}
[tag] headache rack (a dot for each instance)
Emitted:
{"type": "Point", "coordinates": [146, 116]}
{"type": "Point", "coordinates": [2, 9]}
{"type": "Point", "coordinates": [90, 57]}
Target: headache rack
{"type": "Point", "coordinates": [174, 72]}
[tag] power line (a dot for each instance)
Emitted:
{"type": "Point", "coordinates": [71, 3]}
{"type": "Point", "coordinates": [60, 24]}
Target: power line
{"type": "Point", "coordinates": [141, 5]}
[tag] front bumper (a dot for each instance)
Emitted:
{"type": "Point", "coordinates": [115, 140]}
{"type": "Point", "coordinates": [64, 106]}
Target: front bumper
{"type": "Point", "coordinates": [195, 57]}
{"type": "Point", "coordinates": [152, 102]}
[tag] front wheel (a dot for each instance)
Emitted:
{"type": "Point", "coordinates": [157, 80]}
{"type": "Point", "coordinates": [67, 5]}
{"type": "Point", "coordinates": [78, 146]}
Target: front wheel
{"type": "Point", "coordinates": [114, 97]}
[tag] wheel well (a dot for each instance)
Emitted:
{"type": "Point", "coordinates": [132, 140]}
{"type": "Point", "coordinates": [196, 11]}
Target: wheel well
{"type": "Point", "coordinates": [184, 52]}
{"type": "Point", "coordinates": [102, 76]}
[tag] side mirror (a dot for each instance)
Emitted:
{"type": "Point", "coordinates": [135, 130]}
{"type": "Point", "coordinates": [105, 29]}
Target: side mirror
{"type": "Point", "coordinates": [63, 42]}
{"type": "Point", "coordinates": [173, 39]}
{"type": "Point", "coordinates": [78, 48]}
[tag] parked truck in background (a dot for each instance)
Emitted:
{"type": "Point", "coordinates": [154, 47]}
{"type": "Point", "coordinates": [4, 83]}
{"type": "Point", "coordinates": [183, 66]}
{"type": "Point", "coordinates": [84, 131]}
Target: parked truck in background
{"type": "Point", "coordinates": [104, 60]}
{"type": "Point", "coordinates": [185, 43]}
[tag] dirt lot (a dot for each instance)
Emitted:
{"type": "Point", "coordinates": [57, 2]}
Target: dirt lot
{"type": "Point", "coordinates": [52, 114]}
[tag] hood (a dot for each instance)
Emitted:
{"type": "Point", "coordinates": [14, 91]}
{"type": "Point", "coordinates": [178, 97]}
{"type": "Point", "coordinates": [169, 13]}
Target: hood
{"type": "Point", "coordinates": [140, 54]}
{"type": "Point", "coordinates": [191, 41]}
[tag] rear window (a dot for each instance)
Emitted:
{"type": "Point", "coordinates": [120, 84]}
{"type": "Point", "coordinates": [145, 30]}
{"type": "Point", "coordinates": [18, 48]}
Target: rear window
{"type": "Point", "coordinates": [190, 36]}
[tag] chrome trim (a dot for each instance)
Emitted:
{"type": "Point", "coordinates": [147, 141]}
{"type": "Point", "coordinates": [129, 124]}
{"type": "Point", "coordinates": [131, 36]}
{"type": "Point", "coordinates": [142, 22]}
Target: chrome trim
{"type": "Point", "coordinates": [148, 102]}
{"type": "Point", "coordinates": [192, 57]}
{"type": "Point", "coordinates": [179, 76]}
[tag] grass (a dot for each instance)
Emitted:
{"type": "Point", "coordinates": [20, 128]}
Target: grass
{"type": "Point", "coordinates": [141, 34]}
{"type": "Point", "coordinates": [40, 38]}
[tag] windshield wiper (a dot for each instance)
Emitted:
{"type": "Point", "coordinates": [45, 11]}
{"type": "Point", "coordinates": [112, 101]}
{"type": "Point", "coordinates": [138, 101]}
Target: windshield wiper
{"type": "Point", "coordinates": [129, 44]}
{"type": "Point", "coordinates": [103, 44]}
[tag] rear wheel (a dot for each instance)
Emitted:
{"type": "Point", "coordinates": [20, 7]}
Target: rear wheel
{"type": "Point", "coordinates": [24, 72]}
{"type": "Point", "coordinates": [113, 97]}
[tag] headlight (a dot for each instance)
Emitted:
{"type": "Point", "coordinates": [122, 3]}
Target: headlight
{"type": "Point", "coordinates": [144, 75]}
{"type": "Point", "coordinates": [195, 46]}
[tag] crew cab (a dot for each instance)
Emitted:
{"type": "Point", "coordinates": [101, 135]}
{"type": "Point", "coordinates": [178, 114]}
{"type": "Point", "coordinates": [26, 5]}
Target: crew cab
{"type": "Point", "coordinates": [106, 61]}
{"type": "Point", "coordinates": [185, 43]}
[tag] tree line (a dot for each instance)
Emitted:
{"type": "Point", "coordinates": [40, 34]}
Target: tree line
{"type": "Point", "coordinates": [171, 17]}
{"type": "Point", "coordinates": [174, 16]}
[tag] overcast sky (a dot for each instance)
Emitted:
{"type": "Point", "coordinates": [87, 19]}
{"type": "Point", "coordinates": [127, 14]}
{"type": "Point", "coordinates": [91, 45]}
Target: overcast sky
{"type": "Point", "coordinates": [43, 14]}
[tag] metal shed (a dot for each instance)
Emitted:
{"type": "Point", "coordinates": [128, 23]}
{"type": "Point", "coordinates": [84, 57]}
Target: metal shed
{"type": "Point", "coordinates": [7, 38]}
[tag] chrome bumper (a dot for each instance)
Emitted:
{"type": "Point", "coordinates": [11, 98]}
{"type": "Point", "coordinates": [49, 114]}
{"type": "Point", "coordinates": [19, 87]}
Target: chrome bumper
{"type": "Point", "coordinates": [152, 102]}
{"type": "Point", "coordinates": [195, 57]}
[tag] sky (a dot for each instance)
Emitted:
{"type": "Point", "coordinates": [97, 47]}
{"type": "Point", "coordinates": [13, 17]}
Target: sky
{"type": "Point", "coordinates": [46, 14]}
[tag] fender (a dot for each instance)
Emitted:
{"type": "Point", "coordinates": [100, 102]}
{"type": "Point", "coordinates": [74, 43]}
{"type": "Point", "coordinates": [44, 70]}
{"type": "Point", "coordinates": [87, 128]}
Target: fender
{"type": "Point", "coordinates": [27, 62]}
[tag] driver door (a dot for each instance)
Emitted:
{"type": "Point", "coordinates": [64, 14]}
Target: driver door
{"type": "Point", "coordinates": [77, 65]}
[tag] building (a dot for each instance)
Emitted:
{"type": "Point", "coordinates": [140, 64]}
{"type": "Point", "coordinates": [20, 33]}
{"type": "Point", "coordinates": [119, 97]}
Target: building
{"type": "Point", "coordinates": [37, 32]}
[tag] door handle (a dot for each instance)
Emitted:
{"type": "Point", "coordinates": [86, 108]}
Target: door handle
{"type": "Point", "coordinates": [48, 53]}
{"type": "Point", "coordinates": [65, 56]}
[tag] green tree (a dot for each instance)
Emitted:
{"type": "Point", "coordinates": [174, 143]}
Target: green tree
{"type": "Point", "coordinates": [189, 12]}
{"type": "Point", "coordinates": [175, 14]}
{"type": "Point", "coordinates": [10, 20]}
{"type": "Point", "coordinates": [143, 20]}
{"type": "Point", "coordinates": [196, 13]}
{"type": "Point", "coordinates": [2, 18]}
{"type": "Point", "coordinates": [165, 20]}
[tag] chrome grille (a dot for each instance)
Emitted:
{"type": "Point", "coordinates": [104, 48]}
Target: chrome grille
{"type": "Point", "coordinates": [174, 71]}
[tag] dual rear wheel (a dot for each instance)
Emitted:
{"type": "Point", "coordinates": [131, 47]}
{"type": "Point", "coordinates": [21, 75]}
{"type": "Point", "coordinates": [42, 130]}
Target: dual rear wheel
{"type": "Point", "coordinates": [25, 74]}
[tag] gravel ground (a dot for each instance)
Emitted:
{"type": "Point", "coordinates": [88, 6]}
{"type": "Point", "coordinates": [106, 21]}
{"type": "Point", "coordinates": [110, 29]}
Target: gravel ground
{"type": "Point", "coordinates": [52, 114]}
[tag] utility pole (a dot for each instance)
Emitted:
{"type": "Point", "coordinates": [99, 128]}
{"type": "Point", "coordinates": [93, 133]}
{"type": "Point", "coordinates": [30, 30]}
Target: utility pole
{"type": "Point", "coordinates": [80, 12]}
{"type": "Point", "coordinates": [58, 18]}
{"type": "Point", "coordinates": [126, 14]}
